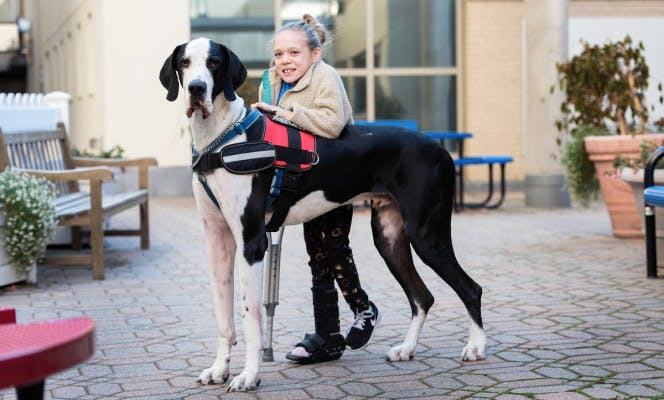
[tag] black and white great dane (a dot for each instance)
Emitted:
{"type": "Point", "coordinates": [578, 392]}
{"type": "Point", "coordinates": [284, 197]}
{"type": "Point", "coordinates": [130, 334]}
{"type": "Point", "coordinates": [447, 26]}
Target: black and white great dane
{"type": "Point", "coordinates": [409, 178]}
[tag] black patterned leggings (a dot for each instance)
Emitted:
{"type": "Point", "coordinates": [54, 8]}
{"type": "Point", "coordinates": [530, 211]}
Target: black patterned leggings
{"type": "Point", "coordinates": [331, 258]}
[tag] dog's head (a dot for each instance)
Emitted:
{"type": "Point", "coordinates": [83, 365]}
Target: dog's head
{"type": "Point", "coordinates": [204, 69]}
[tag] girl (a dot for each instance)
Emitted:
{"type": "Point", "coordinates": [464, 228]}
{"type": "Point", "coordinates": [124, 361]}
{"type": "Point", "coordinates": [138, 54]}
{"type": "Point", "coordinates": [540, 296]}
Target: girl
{"type": "Point", "coordinates": [310, 94]}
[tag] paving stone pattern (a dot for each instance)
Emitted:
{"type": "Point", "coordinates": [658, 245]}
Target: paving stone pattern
{"type": "Point", "coordinates": [567, 308]}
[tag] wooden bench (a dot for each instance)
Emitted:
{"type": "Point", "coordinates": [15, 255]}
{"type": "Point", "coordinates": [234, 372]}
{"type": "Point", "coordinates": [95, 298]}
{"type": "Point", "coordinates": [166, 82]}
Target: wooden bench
{"type": "Point", "coordinates": [48, 154]}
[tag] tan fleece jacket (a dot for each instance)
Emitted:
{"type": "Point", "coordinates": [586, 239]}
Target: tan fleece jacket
{"type": "Point", "coordinates": [319, 101]}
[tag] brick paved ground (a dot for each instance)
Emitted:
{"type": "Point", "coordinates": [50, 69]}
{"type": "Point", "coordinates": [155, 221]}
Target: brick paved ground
{"type": "Point", "coordinates": [568, 312]}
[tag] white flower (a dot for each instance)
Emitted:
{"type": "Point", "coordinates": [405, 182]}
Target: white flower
{"type": "Point", "coordinates": [29, 216]}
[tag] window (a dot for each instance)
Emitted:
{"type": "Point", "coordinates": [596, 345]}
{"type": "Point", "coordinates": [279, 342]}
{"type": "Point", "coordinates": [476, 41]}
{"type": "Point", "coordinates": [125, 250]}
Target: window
{"type": "Point", "coordinates": [397, 58]}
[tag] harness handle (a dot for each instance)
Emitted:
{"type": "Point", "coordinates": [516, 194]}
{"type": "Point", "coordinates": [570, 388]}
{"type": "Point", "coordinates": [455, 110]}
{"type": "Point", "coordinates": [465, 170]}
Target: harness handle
{"type": "Point", "coordinates": [267, 90]}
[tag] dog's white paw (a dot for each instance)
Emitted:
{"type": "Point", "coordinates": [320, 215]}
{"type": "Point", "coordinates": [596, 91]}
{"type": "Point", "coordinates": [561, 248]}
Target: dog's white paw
{"type": "Point", "coordinates": [246, 381]}
{"type": "Point", "coordinates": [473, 352]}
{"type": "Point", "coordinates": [214, 374]}
{"type": "Point", "coordinates": [400, 353]}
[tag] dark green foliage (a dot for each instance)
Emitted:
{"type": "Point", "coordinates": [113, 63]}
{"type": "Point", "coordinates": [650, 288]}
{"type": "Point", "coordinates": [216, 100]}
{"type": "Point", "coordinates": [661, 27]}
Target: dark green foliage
{"type": "Point", "coordinates": [605, 83]}
{"type": "Point", "coordinates": [115, 152]}
{"type": "Point", "coordinates": [582, 181]}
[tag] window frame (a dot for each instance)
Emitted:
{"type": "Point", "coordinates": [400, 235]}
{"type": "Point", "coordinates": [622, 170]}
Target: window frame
{"type": "Point", "coordinates": [371, 72]}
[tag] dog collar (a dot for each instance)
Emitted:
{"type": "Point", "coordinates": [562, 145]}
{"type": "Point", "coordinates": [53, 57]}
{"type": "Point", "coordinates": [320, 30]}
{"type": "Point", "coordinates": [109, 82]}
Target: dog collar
{"type": "Point", "coordinates": [234, 130]}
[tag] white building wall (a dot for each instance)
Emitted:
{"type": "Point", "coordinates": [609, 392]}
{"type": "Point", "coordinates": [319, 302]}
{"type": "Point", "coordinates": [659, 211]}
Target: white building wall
{"type": "Point", "coordinates": [107, 55]}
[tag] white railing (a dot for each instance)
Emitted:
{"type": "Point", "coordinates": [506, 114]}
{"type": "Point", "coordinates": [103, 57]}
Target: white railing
{"type": "Point", "coordinates": [20, 112]}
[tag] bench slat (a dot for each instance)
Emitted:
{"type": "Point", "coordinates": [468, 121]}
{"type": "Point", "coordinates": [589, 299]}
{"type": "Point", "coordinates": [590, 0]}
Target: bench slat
{"type": "Point", "coordinates": [479, 160]}
{"type": "Point", "coordinates": [79, 203]}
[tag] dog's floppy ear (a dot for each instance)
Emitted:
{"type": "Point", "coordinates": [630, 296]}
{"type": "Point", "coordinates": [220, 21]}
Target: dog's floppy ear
{"type": "Point", "coordinates": [232, 74]}
{"type": "Point", "coordinates": [168, 74]}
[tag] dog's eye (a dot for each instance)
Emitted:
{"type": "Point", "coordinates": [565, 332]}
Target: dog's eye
{"type": "Point", "coordinates": [213, 62]}
{"type": "Point", "coordinates": [185, 62]}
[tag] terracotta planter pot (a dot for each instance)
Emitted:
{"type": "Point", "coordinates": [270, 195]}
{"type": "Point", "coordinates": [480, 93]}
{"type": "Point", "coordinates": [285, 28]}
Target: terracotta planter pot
{"type": "Point", "coordinates": [635, 180]}
{"type": "Point", "coordinates": [617, 193]}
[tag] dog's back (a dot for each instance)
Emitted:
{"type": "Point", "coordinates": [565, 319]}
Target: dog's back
{"type": "Point", "coordinates": [379, 160]}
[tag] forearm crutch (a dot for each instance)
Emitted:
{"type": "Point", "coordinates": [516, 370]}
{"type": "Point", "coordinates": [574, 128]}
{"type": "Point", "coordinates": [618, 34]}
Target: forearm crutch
{"type": "Point", "coordinates": [271, 287]}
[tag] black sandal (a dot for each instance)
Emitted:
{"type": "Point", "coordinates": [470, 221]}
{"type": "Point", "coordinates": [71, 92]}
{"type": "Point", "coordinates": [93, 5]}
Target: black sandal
{"type": "Point", "coordinates": [319, 349]}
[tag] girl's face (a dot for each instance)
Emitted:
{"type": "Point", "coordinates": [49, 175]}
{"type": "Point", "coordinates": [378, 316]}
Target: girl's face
{"type": "Point", "coordinates": [292, 56]}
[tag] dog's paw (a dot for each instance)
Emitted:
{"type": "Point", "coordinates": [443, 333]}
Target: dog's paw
{"type": "Point", "coordinates": [473, 352]}
{"type": "Point", "coordinates": [400, 353]}
{"type": "Point", "coordinates": [214, 374]}
{"type": "Point", "coordinates": [246, 382]}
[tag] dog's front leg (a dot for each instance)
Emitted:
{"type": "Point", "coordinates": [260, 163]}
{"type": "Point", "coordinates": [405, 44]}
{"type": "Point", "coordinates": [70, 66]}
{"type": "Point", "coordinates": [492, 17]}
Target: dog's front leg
{"type": "Point", "coordinates": [251, 292]}
{"type": "Point", "coordinates": [247, 206]}
{"type": "Point", "coordinates": [221, 252]}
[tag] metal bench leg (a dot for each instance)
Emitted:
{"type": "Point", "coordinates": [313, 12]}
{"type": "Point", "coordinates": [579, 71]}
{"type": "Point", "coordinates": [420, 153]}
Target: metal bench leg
{"type": "Point", "coordinates": [33, 391]}
{"type": "Point", "coordinates": [483, 203]}
{"type": "Point", "coordinates": [145, 225]}
{"type": "Point", "coordinates": [96, 231]}
{"type": "Point", "coordinates": [271, 288]}
{"type": "Point", "coordinates": [460, 205]}
{"type": "Point", "coordinates": [502, 189]}
{"type": "Point", "coordinates": [76, 243]}
{"type": "Point", "coordinates": [651, 241]}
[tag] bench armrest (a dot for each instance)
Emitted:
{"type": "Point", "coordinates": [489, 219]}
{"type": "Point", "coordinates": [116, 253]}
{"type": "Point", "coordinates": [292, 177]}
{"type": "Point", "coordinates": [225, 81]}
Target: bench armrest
{"type": "Point", "coordinates": [115, 162]}
{"type": "Point", "coordinates": [141, 163]}
{"type": "Point", "coordinates": [91, 174]}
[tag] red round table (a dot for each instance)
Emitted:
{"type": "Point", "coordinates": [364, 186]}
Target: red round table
{"type": "Point", "coordinates": [32, 351]}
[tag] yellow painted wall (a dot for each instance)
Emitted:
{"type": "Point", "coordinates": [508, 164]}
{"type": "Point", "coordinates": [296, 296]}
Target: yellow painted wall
{"type": "Point", "coordinates": [492, 79]}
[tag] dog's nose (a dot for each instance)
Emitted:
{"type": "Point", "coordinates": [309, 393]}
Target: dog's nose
{"type": "Point", "coordinates": [197, 87]}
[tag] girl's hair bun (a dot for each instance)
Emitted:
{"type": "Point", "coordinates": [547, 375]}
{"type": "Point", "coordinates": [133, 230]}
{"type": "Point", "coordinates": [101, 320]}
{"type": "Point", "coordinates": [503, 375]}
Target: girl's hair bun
{"type": "Point", "coordinates": [320, 29]}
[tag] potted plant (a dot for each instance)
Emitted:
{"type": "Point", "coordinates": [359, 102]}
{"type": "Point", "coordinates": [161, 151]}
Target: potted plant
{"type": "Point", "coordinates": [27, 220]}
{"type": "Point", "coordinates": [604, 89]}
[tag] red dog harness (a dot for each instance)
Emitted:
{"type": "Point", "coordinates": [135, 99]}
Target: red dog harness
{"type": "Point", "coordinates": [288, 140]}
{"type": "Point", "coordinates": [290, 144]}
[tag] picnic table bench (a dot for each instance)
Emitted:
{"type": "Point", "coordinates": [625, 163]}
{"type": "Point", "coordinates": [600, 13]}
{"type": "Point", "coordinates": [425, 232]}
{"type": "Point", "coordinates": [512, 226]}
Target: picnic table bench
{"type": "Point", "coordinates": [48, 154]}
{"type": "Point", "coordinates": [460, 161]}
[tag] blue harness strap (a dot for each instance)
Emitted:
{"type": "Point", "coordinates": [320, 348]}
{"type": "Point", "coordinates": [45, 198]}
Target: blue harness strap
{"type": "Point", "coordinates": [203, 180]}
{"type": "Point", "coordinates": [267, 95]}
{"type": "Point", "coordinates": [275, 187]}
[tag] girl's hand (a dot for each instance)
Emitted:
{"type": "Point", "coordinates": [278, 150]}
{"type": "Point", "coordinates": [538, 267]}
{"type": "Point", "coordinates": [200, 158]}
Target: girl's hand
{"type": "Point", "coordinates": [277, 111]}
{"type": "Point", "coordinates": [266, 107]}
